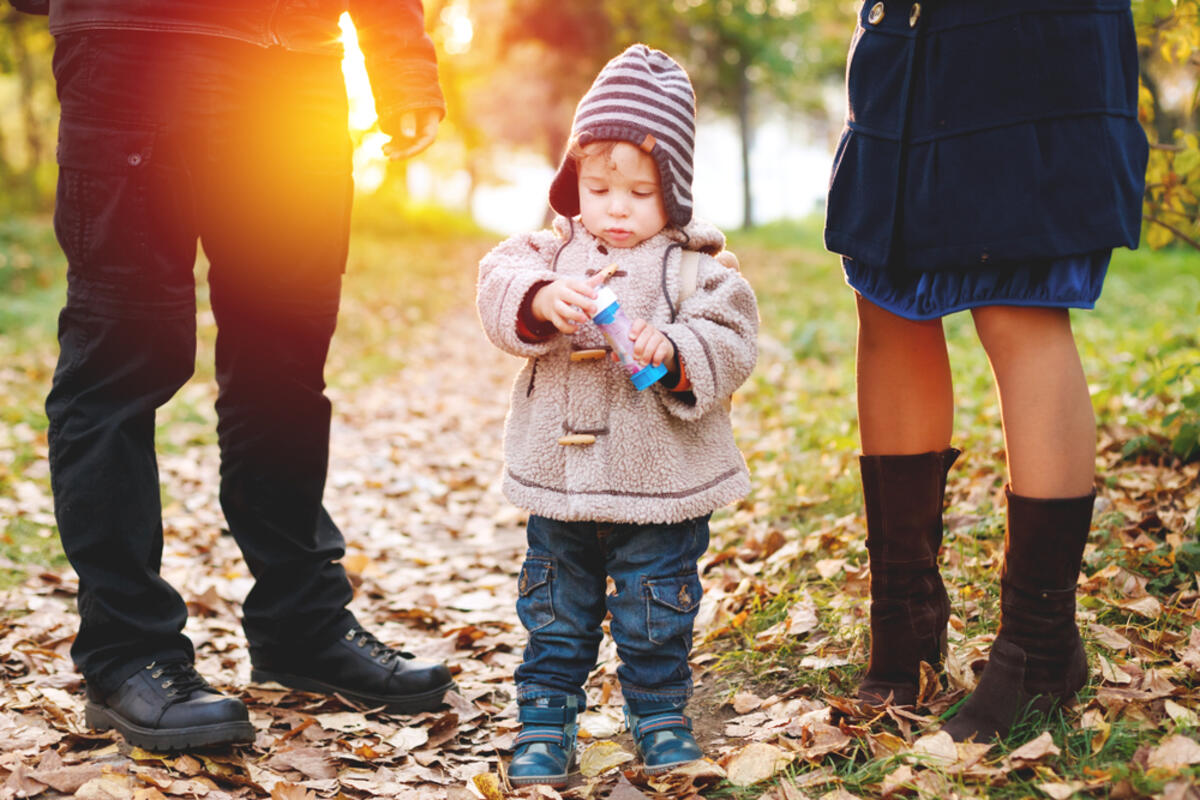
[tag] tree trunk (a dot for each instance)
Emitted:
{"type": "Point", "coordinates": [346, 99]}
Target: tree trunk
{"type": "Point", "coordinates": [747, 134]}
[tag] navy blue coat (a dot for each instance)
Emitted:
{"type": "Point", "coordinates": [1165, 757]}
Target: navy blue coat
{"type": "Point", "coordinates": [988, 132]}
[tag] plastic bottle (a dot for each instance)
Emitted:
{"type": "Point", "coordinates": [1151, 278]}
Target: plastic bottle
{"type": "Point", "coordinates": [615, 325]}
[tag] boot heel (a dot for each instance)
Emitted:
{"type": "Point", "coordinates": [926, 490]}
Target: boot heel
{"type": "Point", "coordinates": [96, 718]}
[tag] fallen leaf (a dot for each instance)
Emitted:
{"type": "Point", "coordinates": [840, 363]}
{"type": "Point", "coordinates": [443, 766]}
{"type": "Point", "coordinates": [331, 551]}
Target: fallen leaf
{"type": "Point", "coordinates": [896, 779]}
{"type": "Point", "coordinates": [313, 762]}
{"type": "Point", "coordinates": [1031, 752]}
{"type": "Point", "coordinates": [108, 787]}
{"type": "Point", "coordinates": [934, 747]}
{"type": "Point", "coordinates": [601, 757]}
{"type": "Point", "coordinates": [755, 763]}
{"type": "Point", "coordinates": [1060, 790]}
{"type": "Point", "coordinates": [1175, 752]}
{"type": "Point", "coordinates": [488, 785]}
{"type": "Point", "coordinates": [291, 791]}
{"type": "Point", "coordinates": [745, 702]}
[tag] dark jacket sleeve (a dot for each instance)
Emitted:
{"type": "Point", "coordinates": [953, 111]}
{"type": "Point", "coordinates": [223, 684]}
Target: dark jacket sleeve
{"type": "Point", "coordinates": [32, 6]}
{"type": "Point", "coordinates": [401, 61]}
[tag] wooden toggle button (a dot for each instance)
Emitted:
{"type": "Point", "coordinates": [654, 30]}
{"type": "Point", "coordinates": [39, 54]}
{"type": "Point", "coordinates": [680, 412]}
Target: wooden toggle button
{"type": "Point", "coordinates": [577, 438]}
{"type": "Point", "coordinates": [588, 355]}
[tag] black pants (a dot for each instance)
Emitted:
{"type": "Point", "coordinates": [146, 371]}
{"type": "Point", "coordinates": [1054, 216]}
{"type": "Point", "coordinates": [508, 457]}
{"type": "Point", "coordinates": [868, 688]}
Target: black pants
{"type": "Point", "coordinates": [166, 140]}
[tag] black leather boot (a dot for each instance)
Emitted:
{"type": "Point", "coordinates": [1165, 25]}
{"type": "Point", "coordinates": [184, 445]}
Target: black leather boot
{"type": "Point", "coordinates": [358, 666]}
{"type": "Point", "coordinates": [909, 605]}
{"type": "Point", "coordinates": [166, 707]}
{"type": "Point", "coordinates": [1037, 661]}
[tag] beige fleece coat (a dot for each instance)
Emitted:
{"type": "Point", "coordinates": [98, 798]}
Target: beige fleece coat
{"type": "Point", "coordinates": [659, 456]}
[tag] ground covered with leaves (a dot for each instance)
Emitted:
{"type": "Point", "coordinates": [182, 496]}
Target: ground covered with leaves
{"type": "Point", "coordinates": [433, 548]}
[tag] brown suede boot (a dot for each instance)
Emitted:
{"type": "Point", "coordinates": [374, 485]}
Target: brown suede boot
{"type": "Point", "coordinates": [1037, 660]}
{"type": "Point", "coordinates": [909, 605]}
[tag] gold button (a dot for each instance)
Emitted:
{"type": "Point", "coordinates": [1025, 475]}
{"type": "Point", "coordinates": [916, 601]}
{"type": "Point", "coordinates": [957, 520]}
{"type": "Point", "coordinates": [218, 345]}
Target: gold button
{"type": "Point", "coordinates": [914, 16]}
{"type": "Point", "coordinates": [588, 355]}
{"type": "Point", "coordinates": [876, 15]}
{"type": "Point", "coordinates": [577, 438]}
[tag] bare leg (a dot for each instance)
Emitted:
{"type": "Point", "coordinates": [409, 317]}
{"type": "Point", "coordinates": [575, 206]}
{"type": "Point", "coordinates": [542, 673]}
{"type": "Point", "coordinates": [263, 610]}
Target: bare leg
{"type": "Point", "coordinates": [905, 392]}
{"type": "Point", "coordinates": [1049, 424]}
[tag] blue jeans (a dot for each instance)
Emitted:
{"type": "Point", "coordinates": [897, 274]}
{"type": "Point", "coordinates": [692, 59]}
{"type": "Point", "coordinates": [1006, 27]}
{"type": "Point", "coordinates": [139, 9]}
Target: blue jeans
{"type": "Point", "coordinates": [562, 601]}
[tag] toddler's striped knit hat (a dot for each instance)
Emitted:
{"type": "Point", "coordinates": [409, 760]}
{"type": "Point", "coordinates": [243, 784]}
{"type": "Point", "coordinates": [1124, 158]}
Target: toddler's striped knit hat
{"type": "Point", "coordinates": [645, 98]}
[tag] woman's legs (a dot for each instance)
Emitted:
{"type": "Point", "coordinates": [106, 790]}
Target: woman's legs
{"type": "Point", "coordinates": [906, 413]}
{"type": "Point", "coordinates": [905, 393]}
{"type": "Point", "coordinates": [1049, 425]}
{"type": "Point", "coordinates": [1037, 660]}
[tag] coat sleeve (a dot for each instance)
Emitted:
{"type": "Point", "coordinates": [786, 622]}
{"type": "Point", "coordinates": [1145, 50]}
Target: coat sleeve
{"type": "Point", "coordinates": [506, 274]}
{"type": "Point", "coordinates": [401, 60]}
{"type": "Point", "coordinates": [715, 335]}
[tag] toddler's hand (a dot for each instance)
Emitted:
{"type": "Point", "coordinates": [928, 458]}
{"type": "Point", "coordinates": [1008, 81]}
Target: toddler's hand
{"type": "Point", "coordinates": [565, 303]}
{"type": "Point", "coordinates": [650, 345]}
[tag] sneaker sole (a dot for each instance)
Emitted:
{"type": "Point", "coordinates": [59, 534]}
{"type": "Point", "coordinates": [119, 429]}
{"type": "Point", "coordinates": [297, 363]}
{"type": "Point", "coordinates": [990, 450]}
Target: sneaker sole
{"type": "Point", "coordinates": [102, 718]}
{"type": "Point", "coordinates": [553, 781]}
{"type": "Point", "coordinates": [429, 700]}
{"type": "Point", "coordinates": [659, 769]}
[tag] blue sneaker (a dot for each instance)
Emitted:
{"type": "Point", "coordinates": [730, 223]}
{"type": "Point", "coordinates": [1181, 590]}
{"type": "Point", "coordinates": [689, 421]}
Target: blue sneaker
{"type": "Point", "coordinates": [545, 747]}
{"type": "Point", "coordinates": [663, 734]}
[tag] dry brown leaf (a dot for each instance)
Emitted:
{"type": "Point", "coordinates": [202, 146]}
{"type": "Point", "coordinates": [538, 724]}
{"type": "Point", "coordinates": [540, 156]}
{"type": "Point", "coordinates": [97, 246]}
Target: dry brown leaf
{"type": "Point", "coordinates": [745, 702]}
{"type": "Point", "coordinates": [1059, 790]}
{"type": "Point", "coordinates": [935, 748]}
{"type": "Point", "coordinates": [291, 791]}
{"type": "Point", "coordinates": [898, 778]}
{"type": "Point", "coordinates": [1175, 752]}
{"type": "Point", "coordinates": [1032, 752]}
{"type": "Point", "coordinates": [1109, 637]}
{"type": "Point", "coordinates": [312, 762]}
{"type": "Point", "coordinates": [601, 757]}
{"type": "Point", "coordinates": [755, 763]}
{"type": "Point", "coordinates": [107, 787]}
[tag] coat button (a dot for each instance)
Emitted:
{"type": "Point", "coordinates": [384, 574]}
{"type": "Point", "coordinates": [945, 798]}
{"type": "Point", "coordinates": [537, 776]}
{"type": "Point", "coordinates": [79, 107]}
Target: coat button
{"type": "Point", "coordinates": [876, 15]}
{"type": "Point", "coordinates": [914, 16]}
{"type": "Point", "coordinates": [577, 438]}
{"type": "Point", "coordinates": [588, 355]}
{"type": "Point", "coordinates": [134, 159]}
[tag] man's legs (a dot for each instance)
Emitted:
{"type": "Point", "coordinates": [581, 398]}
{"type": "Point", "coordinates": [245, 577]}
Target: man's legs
{"type": "Point", "coordinates": [127, 338]}
{"type": "Point", "coordinates": [274, 197]}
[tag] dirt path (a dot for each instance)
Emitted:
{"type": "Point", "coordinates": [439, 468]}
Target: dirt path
{"type": "Point", "coordinates": [433, 548]}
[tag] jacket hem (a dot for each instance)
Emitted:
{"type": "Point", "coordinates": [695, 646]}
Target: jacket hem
{"type": "Point", "coordinates": [613, 505]}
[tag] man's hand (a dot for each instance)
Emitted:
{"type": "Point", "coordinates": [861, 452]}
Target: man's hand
{"type": "Point", "coordinates": [415, 131]}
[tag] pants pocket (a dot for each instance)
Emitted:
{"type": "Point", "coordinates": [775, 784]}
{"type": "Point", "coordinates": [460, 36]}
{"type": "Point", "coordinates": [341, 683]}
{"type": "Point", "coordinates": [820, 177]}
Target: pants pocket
{"type": "Point", "coordinates": [671, 605]}
{"type": "Point", "coordinates": [535, 599]}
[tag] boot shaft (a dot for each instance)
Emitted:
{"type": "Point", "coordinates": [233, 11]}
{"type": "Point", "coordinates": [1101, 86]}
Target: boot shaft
{"type": "Point", "coordinates": [904, 496]}
{"type": "Point", "coordinates": [1044, 541]}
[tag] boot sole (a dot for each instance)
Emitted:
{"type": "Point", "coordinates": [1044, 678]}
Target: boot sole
{"type": "Point", "coordinates": [429, 700]}
{"type": "Point", "coordinates": [102, 718]}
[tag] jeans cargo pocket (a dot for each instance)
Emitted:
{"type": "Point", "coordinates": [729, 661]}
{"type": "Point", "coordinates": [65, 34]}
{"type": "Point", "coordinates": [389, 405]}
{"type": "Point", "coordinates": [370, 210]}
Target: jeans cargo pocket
{"type": "Point", "coordinates": [535, 600]}
{"type": "Point", "coordinates": [102, 209]}
{"type": "Point", "coordinates": [671, 605]}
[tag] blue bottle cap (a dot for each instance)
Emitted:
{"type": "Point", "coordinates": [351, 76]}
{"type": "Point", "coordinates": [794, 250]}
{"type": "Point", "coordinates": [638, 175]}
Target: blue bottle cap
{"type": "Point", "coordinates": [648, 376]}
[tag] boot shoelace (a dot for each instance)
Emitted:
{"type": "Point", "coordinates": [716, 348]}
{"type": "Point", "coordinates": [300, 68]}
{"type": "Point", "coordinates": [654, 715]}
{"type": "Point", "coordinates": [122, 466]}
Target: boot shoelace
{"type": "Point", "coordinates": [379, 650]}
{"type": "Point", "coordinates": [179, 678]}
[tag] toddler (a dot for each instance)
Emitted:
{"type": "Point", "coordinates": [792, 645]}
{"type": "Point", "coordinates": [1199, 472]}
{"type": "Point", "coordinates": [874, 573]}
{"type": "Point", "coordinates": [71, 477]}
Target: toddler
{"type": "Point", "coordinates": [619, 483]}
